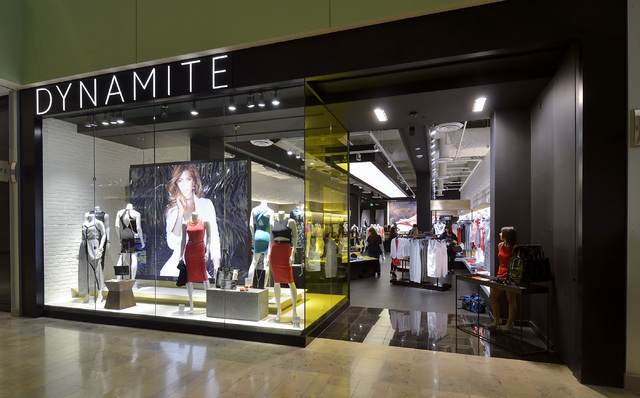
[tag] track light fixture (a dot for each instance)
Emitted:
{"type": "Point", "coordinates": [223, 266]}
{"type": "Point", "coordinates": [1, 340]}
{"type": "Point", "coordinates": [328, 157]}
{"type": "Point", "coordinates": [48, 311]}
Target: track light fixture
{"type": "Point", "coordinates": [274, 98]}
{"type": "Point", "coordinates": [112, 119]}
{"type": "Point", "coordinates": [105, 121]}
{"type": "Point", "coordinates": [232, 104]}
{"type": "Point", "coordinates": [120, 117]}
{"type": "Point", "coordinates": [250, 103]}
{"type": "Point", "coordinates": [261, 103]}
{"type": "Point", "coordinates": [194, 109]}
{"type": "Point", "coordinates": [164, 111]}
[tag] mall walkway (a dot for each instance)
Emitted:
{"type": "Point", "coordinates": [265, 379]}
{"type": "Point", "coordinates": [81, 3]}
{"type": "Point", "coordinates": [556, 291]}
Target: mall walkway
{"type": "Point", "coordinates": [56, 358]}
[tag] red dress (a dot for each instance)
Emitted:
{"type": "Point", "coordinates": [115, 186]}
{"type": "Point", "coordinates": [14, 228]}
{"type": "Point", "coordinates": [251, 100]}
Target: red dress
{"type": "Point", "coordinates": [279, 260]}
{"type": "Point", "coordinates": [194, 253]}
{"type": "Point", "coordinates": [503, 257]}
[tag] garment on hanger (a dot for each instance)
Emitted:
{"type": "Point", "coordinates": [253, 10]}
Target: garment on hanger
{"type": "Point", "coordinates": [331, 258]}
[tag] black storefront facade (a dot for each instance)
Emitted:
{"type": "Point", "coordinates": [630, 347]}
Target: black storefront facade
{"type": "Point", "coordinates": [548, 179]}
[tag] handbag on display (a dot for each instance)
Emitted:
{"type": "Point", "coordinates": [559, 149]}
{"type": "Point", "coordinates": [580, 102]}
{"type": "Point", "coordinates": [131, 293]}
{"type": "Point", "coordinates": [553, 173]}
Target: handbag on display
{"type": "Point", "coordinates": [528, 265]}
{"type": "Point", "coordinates": [182, 276]}
{"type": "Point", "coordinates": [473, 303]}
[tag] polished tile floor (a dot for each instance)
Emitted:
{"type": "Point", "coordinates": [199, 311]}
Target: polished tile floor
{"type": "Point", "coordinates": [57, 358]}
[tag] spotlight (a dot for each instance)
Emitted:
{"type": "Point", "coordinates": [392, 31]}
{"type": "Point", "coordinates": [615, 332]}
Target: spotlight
{"type": "Point", "coordinates": [297, 156]}
{"type": "Point", "coordinates": [289, 152]}
{"type": "Point", "coordinates": [194, 109]}
{"type": "Point", "coordinates": [358, 157]}
{"type": "Point", "coordinates": [120, 117]}
{"type": "Point", "coordinates": [112, 119]}
{"type": "Point", "coordinates": [388, 165]}
{"type": "Point", "coordinates": [164, 111]}
{"type": "Point", "coordinates": [87, 121]}
{"type": "Point", "coordinates": [261, 100]}
{"type": "Point", "coordinates": [250, 103]}
{"type": "Point", "coordinates": [105, 122]}
{"type": "Point", "coordinates": [232, 104]}
{"type": "Point", "coordinates": [274, 98]}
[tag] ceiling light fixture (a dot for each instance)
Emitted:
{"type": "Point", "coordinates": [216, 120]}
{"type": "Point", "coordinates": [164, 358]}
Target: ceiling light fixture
{"type": "Point", "coordinates": [194, 109]}
{"type": "Point", "coordinates": [380, 114]}
{"type": "Point", "coordinates": [120, 117]}
{"type": "Point", "coordinates": [289, 152]}
{"type": "Point", "coordinates": [417, 148]}
{"type": "Point", "coordinates": [105, 122]}
{"type": "Point", "coordinates": [478, 104]}
{"type": "Point", "coordinates": [112, 119]}
{"type": "Point", "coordinates": [261, 103]}
{"type": "Point", "coordinates": [274, 99]}
{"type": "Point", "coordinates": [250, 103]}
{"type": "Point", "coordinates": [369, 173]}
{"type": "Point", "coordinates": [232, 104]}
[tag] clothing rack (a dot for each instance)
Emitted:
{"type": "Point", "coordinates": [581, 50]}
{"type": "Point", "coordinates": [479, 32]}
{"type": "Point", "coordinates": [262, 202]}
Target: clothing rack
{"type": "Point", "coordinates": [431, 283]}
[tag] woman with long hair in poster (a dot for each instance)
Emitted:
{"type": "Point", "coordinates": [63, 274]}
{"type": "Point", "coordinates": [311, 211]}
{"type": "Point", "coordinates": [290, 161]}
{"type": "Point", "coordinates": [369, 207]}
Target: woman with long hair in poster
{"type": "Point", "coordinates": [185, 197]}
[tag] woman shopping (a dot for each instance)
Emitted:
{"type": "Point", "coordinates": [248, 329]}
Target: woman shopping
{"type": "Point", "coordinates": [508, 239]}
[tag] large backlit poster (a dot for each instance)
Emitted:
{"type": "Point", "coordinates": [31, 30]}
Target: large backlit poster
{"type": "Point", "coordinates": [404, 214]}
{"type": "Point", "coordinates": [167, 193]}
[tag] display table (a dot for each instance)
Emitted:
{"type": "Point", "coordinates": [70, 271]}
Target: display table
{"type": "Point", "coordinates": [362, 267]}
{"type": "Point", "coordinates": [120, 294]}
{"type": "Point", "coordinates": [252, 305]}
{"type": "Point", "coordinates": [513, 341]}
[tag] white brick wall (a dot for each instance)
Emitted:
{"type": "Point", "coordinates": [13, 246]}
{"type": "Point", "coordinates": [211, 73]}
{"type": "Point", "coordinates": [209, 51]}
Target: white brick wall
{"type": "Point", "coordinates": [68, 169]}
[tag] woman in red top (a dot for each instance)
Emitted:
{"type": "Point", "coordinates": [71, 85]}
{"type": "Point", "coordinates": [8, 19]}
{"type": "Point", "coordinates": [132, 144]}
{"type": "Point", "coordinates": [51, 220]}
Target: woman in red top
{"type": "Point", "coordinates": [508, 239]}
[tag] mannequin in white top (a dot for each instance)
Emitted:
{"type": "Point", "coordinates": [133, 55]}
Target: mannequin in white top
{"type": "Point", "coordinates": [128, 227]}
{"type": "Point", "coordinates": [191, 247]}
{"type": "Point", "coordinates": [93, 241]}
{"type": "Point", "coordinates": [104, 217]}
{"type": "Point", "coordinates": [284, 238]}
{"type": "Point", "coordinates": [259, 224]}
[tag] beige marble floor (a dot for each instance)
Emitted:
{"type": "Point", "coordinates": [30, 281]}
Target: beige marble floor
{"type": "Point", "coordinates": [56, 358]}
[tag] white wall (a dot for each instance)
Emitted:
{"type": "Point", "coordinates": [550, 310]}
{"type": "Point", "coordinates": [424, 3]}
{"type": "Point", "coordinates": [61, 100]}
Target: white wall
{"type": "Point", "coordinates": [632, 378]}
{"type": "Point", "coordinates": [477, 188]}
{"type": "Point", "coordinates": [68, 169]}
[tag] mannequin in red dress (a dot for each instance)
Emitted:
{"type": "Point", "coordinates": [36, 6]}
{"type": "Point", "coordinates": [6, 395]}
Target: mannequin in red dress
{"type": "Point", "coordinates": [195, 251]}
{"type": "Point", "coordinates": [284, 239]}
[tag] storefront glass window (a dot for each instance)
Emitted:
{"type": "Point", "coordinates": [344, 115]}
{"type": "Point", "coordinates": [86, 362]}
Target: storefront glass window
{"type": "Point", "coordinates": [237, 186]}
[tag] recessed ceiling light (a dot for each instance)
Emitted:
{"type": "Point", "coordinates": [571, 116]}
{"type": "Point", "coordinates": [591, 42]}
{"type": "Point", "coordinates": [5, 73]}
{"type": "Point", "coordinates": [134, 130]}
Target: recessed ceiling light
{"type": "Point", "coordinates": [381, 115]}
{"type": "Point", "coordinates": [419, 156]}
{"type": "Point", "coordinates": [478, 104]}
{"type": "Point", "coordinates": [417, 148]}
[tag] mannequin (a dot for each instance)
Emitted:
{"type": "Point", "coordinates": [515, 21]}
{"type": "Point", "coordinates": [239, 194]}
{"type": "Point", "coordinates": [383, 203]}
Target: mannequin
{"type": "Point", "coordinates": [90, 256]}
{"type": "Point", "coordinates": [104, 217]}
{"type": "Point", "coordinates": [284, 238]}
{"type": "Point", "coordinates": [128, 227]}
{"type": "Point", "coordinates": [297, 215]}
{"type": "Point", "coordinates": [260, 224]}
{"type": "Point", "coordinates": [195, 252]}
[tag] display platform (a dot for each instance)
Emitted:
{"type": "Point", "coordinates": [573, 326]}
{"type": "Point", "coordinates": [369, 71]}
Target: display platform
{"type": "Point", "coordinates": [310, 309]}
{"type": "Point", "coordinates": [362, 267]}
{"type": "Point", "coordinates": [120, 295]}
{"type": "Point", "coordinates": [251, 305]}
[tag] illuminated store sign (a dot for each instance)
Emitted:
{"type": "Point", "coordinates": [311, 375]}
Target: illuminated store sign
{"type": "Point", "coordinates": [194, 76]}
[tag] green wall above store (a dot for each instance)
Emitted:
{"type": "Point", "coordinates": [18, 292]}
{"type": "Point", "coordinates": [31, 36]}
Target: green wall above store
{"type": "Point", "coordinates": [46, 40]}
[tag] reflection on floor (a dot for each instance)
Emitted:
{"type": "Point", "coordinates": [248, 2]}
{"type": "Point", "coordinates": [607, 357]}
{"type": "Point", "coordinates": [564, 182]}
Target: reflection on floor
{"type": "Point", "coordinates": [401, 316]}
{"type": "Point", "coordinates": [433, 331]}
{"type": "Point", "coordinates": [44, 357]}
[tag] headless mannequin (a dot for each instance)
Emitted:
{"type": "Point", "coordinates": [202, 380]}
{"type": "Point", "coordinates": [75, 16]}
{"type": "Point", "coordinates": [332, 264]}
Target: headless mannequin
{"type": "Point", "coordinates": [294, 240]}
{"type": "Point", "coordinates": [207, 227]}
{"type": "Point", "coordinates": [104, 217]}
{"type": "Point", "coordinates": [94, 254]}
{"type": "Point", "coordinates": [124, 220]}
{"type": "Point", "coordinates": [262, 207]}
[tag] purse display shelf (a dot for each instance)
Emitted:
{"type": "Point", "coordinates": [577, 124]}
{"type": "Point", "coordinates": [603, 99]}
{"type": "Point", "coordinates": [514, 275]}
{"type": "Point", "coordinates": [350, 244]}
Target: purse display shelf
{"type": "Point", "coordinates": [515, 341]}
